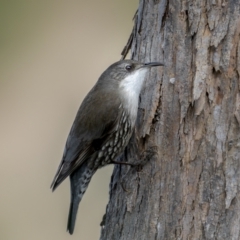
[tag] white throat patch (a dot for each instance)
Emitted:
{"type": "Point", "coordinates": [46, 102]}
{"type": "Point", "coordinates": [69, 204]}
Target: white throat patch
{"type": "Point", "coordinates": [131, 87]}
{"type": "Point", "coordinates": [132, 84]}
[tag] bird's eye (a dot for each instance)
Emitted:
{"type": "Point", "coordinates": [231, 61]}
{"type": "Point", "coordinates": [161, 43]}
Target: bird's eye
{"type": "Point", "coordinates": [128, 67]}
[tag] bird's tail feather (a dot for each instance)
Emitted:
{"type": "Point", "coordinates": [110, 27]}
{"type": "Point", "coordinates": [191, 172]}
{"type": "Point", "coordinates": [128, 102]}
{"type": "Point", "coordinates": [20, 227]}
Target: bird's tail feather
{"type": "Point", "coordinates": [72, 216]}
{"type": "Point", "coordinates": [79, 183]}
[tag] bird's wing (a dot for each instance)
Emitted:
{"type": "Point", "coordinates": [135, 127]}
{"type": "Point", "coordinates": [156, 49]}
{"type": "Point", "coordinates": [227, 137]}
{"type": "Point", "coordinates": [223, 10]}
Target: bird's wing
{"type": "Point", "coordinates": [67, 167]}
{"type": "Point", "coordinates": [86, 137]}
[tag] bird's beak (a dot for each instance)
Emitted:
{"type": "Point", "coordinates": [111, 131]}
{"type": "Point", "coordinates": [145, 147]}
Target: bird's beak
{"type": "Point", "coordinates": [153, 64]}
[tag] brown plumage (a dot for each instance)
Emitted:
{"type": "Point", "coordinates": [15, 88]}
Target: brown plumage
{"type": "Point", "coordinates": [102, 128]}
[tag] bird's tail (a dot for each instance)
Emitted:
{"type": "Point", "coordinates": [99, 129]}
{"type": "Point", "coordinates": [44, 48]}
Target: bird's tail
{"type": "Point", "coordinates": [72, 216]}
{"type": "Point", "coordinates": [79, 183]}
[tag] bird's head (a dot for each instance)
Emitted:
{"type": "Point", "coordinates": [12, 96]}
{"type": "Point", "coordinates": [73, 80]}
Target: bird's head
{"type": "Point", "coordinates": [127, 75]}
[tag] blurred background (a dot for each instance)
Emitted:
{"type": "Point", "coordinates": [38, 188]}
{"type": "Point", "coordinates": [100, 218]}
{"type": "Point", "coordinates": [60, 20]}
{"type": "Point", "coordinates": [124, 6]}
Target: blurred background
{"type": "Point", "coordinates": [51, 54]}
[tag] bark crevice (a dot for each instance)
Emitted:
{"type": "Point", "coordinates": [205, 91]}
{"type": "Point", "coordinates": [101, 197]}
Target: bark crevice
{"type": "Point", "coordinates": [188, 127]}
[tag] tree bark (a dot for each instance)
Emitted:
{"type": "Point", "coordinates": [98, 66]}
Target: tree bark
{"type": "Point", "coordinates": [188, 128]}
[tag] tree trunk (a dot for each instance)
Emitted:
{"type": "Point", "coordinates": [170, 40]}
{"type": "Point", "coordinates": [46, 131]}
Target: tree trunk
{"type": "Point", "coordinates": [188, 130]}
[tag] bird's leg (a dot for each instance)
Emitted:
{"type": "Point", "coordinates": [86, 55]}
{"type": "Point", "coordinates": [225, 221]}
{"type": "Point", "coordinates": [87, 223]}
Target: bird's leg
{"type": "Point", "coordinates": [124, 163]}
{"type": "Point", "coordinates": [124, 156]}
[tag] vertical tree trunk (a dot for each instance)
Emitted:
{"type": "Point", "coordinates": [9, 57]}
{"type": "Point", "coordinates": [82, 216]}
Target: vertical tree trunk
{"type": "Point", "coordinates": [188, 127]}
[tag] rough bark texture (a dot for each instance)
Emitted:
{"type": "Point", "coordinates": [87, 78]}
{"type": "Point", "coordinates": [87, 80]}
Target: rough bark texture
{"type": "Point", "coordinates": [188, 127]}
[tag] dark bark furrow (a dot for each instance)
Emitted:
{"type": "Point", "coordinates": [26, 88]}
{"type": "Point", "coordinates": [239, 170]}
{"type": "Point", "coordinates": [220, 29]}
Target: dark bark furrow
{"type": "Point", "coordinates": [188, 128]}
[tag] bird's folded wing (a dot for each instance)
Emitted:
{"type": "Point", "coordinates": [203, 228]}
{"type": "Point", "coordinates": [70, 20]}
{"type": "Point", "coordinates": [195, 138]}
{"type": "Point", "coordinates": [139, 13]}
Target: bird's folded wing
{"type": "Point", "coordinates": [67, 167]}
{"type": "Point", "coordinates": [87, 136]}
{"type": "Point", "coordinates": [78, 151]}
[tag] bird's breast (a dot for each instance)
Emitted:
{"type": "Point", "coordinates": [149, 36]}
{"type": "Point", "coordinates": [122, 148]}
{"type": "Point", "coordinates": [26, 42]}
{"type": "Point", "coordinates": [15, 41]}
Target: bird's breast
{"type": "Point", "coordinates": [130, 106]}
{"type": "Point", "coordinates": [116, 142]}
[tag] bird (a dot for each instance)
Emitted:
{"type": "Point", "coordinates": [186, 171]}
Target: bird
{"type": "Point", "coordinates": [102, 128]}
